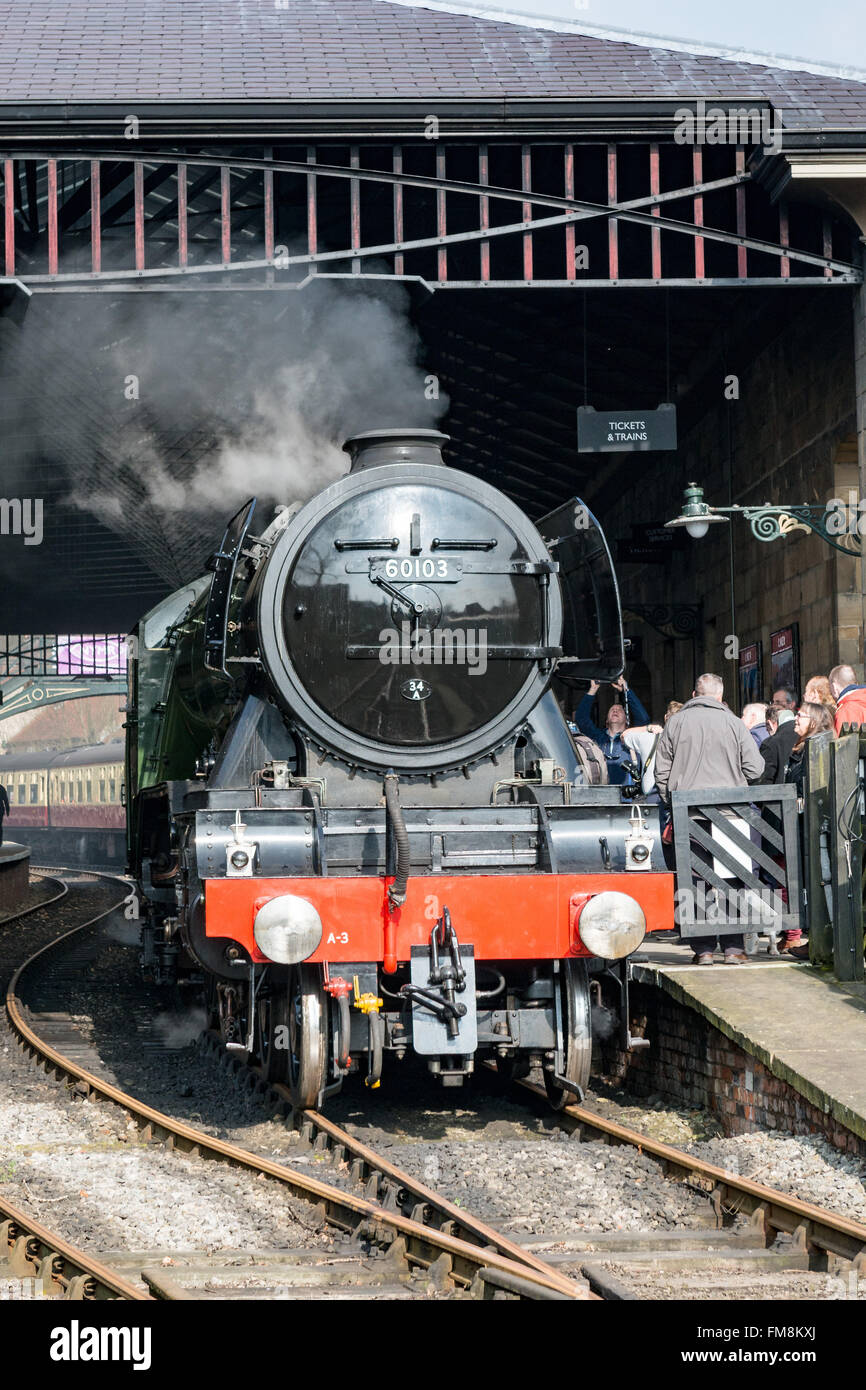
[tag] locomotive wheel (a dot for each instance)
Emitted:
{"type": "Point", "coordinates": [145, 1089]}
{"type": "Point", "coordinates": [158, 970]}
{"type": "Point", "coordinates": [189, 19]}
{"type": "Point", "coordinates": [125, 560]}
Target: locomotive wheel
{"type": "Point", "coordinates": [308, 1036]}
{"type": "Point", "coordinates": [577, 1027]}
{"type": "Point", "coordinates": [272, 1013]}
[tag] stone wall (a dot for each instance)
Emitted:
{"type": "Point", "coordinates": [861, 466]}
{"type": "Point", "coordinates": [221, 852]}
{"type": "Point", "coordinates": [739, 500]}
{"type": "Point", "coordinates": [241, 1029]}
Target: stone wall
{"type": "Point", "coordinates": [693, 1064]}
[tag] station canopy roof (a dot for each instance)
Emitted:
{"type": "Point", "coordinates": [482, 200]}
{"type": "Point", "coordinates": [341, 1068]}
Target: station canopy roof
{"type": "Point", "coordinates": [93, 51]}
{"type": "Point", "coordinates": [514, 365]}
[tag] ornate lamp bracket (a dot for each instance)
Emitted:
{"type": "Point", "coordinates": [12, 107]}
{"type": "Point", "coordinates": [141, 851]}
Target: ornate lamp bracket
{"type": "Point", "coordinates": [771, 523]}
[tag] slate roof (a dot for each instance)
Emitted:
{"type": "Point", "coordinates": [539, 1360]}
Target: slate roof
{"type": "Point", "coordinates": [357, 50]}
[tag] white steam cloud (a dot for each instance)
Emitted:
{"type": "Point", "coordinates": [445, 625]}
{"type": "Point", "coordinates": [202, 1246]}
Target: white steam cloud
{"type": "Point", "coordinates": [180, 406]}
{"type": "Point", "coordinates": [175, 1031]}
{"type": "Point", "coordinates": [604, 1021]}
{"type": "Point", "coordinates": [226, 405]}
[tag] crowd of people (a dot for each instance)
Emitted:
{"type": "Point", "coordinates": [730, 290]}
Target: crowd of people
{"type": "Point", "coordinates": [702, 744]}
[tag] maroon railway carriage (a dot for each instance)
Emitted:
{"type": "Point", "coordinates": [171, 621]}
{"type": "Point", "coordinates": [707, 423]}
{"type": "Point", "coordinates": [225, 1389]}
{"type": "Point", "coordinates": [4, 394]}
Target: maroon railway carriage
{"type": "Point", "coordinates": [68, 806]}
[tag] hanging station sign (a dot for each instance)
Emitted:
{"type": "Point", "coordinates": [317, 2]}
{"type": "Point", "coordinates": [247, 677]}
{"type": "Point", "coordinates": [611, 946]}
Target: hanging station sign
{"type": "Point", "coordinates": [625, 431]}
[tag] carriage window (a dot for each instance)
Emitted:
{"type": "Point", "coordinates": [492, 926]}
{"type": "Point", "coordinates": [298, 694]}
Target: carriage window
{"type": "Point", "coordinates": [89, 796]}
{"type": "Point", "coordinates": [112, 786]}
{"type": "Point", "coordinates": [79, 790]}
{"type": "Point", "coordinates": [34, 793]}
{"type": "Point", "coordinates": [21, 792]}
{"type": "Point", "coordinates": [102, 790]}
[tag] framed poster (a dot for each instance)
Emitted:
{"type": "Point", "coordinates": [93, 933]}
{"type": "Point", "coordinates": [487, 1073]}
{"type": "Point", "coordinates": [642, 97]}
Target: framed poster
{"type": "Point", "coordinates": [751, 674]}
{"type": "Point", "coordinates": [785, 658]}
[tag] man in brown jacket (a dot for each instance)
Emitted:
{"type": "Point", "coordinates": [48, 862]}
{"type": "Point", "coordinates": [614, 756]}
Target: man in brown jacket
{"type": "Point", "coordinates": [705, 745]}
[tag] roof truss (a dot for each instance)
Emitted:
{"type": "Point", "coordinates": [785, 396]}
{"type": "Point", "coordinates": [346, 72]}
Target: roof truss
{"type": "Point", "coordinates": [588, 215]}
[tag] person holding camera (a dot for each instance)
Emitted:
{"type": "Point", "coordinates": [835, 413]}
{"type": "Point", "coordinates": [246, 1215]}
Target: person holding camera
{"type": "Point", "coordinates": [610, 738]}
{"type": "Point", "coordinates": [643, 742]}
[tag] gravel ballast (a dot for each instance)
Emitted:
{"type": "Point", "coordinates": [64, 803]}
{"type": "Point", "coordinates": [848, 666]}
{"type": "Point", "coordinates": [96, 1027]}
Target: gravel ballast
{"type": "Point", "coordinates": [86, 1174]}
{"type": "Point", "coordinates": [806, 1166]}
{"type": "Point", "coordinates": [486, 1152]}
{"type": "Point", "coordinates": [82, 1168]}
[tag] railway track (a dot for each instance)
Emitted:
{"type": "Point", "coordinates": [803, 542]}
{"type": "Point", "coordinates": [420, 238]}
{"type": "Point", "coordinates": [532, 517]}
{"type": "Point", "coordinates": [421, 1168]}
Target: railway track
{"type": "Point", "coordinates": [752, 1229]}
{"type": "Point", "coordinates": [398, 1234]}
{"type": "Point", "coordinates": [33, 1257]}
{"type": "Point", "coordinates": [758, 1231]}
{"type": "Point", "coordinates": [452, 1252]}
{"type": "Point", "coordinates": [46, 880]}
{"type": "Point", "coordinates": [47, 1266]}
{"type": "Point", "coordinates": [753, 1232]}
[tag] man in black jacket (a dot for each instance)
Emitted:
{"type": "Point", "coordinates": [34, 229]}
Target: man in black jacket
{"type": "Point", "coordinates": [776, 750]}
{"type": "Point", "coordinates": [4, 809]}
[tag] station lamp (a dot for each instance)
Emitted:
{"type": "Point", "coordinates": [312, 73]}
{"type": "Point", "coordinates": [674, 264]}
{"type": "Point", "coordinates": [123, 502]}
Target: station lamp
{"type": "Point", "coordinates": [697, 516]}
{"type": "Point", "coordinates": [770, 521]}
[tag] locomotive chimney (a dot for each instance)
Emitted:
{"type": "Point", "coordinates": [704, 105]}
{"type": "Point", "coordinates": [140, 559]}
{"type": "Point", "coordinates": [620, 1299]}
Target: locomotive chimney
{"type": "Point", "coordinates": [378, 447]}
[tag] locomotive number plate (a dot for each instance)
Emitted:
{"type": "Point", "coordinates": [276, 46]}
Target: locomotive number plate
{"type": "Point", "coordinates": [417, 567]}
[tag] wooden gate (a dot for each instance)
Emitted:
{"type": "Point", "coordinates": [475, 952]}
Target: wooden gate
{"type": "Point", "coordinates": [833, 851]}
{"type": "Point", "coordinates": [737, 860]}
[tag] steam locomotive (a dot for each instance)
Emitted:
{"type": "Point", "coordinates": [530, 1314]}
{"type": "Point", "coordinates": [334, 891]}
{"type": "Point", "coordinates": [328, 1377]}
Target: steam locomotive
{"type": "Point", "coordinates": [355, 807]}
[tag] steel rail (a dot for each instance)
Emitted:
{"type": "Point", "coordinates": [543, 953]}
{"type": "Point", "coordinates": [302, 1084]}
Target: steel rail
{"type": "Point", "coordinates": [30, 1250]}
{"type": "Point", "coordinates": [460, 1222]}
{"type": "Point", "coordinates": [46, 902]}
{"type": "Point", "coordinates": [422, 1244]}
{"type": "Point", "coordinates": [772, 1212]}
{"type": "Point", "coordinates": [387, 1183]}
{"type": "Point", "coordinates": [468, 1244]}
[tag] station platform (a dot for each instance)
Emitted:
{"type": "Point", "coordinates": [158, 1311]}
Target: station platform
{"type": "Point", "coordinates": [799, 1023]}
{"type": "Point", "coordinates": [14, 877]}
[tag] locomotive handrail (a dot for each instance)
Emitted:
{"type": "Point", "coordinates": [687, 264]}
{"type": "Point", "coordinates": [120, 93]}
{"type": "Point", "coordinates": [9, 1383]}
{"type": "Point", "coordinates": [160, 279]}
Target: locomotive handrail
{"type": "Point", "coordinates": [224, 566]}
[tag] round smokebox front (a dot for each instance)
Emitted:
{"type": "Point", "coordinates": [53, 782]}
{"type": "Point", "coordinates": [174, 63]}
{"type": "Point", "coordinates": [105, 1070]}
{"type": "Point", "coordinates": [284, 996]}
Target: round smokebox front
{"type": "Point", "coordinates": [406, 617]}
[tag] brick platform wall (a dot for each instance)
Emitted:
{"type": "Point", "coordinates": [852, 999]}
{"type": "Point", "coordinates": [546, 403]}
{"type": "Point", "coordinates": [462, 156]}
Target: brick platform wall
{"type": "Point", "coordinates": [691, 1063]}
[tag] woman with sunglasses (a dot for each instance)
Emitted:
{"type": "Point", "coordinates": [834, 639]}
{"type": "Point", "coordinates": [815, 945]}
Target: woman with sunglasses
{"type": "Point", "coordinates": [810, 719]}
